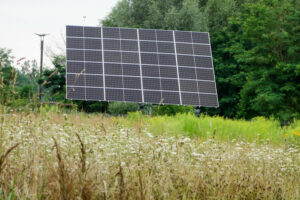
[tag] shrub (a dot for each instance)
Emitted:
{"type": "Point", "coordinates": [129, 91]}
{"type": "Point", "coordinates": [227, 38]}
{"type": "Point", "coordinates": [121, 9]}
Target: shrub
{"type": "Point", "coordinates": [119, 108]}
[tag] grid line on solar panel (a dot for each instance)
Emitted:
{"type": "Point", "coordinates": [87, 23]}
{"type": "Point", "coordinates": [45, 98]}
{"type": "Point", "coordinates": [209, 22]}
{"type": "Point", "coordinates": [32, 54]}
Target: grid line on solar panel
{"type": "Point", "coordinates": [175, 51]}
{"type": "Point", "coordinates": [136, 63]}
{"type": "Point", "coordinates": [171, 42]}
{"type": "Point", "coordinates": [193, 50]}
{"type": "Point", "coordinates": [122, 58]}
{"type": "Point", "coordinates": [164, 77]}
{"type": "Point", "coordinates": [103, 60]}
{"type": "Point", "coordinates": [149, 52]}
{"type": "Point", "coordinates": [188, 92]}
{"type": "Point", "coordinates": [84, 58]}
{"type": "Point", "coordinates": [158, 62]}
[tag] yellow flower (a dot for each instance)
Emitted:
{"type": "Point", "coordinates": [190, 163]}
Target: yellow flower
{"type": "Point", "coordinates": [296, 133]}
{"type": "Point", "coordinates": [286, 135]}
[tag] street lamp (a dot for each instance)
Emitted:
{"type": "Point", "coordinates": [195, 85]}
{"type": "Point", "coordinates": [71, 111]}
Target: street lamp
{"type": "Point", "coordinates": [42, 36]}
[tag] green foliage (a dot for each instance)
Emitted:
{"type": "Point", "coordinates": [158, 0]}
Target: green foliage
{"type": "Point", "coordinates": [258, 129]}
{"type": "Point", "coordinates": [170, 109]}
{"type": "Point", "coordinates": [268, 52]}
{"type": "Point", "coordinates": [6, 59]}
{"type": "Point", "coordinates": [256, 48]}
{"type": "Point", "coordinates": [119, 108]}
{"type": "Point", "coordinates": [54, 80]}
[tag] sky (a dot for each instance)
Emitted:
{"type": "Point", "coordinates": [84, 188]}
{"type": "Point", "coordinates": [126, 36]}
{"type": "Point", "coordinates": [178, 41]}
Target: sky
{"type": "Point", "coordinates": [20, 19]}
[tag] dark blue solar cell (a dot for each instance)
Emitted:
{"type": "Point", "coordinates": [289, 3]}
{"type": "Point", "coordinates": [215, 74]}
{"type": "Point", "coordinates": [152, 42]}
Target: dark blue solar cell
{"type": "Point", "coordinates": [131, 70]}
{"type": "Point", "coordinates": [163, 35]}
{"type": "Point", "coordinates": [77, 55]}
{"type": "Point", "coordinates": [129, 45]}
{"type": "Point", "coordinates": [90, 55]}
{"type": "Point", "coordinates": [133, 95]}
{"type": "Point", "coordinates": [205, 74]}
{"type": "Point", "coordinates": [186, 72]}
{"type": "Point", "coordinates": [149, 58]}
{"type": "Point", "coordinates": [188, 85]}
{"type": "Point", "coordinates": [150, 70]}
{"type": "Point", "coordinates": [200, 37]}
{"type": "Point", "coordinates": [112, 56]}
{"type": "Point", "coordinates": [109, 44]}
{"type": "Point", "coordinates": [147, 46]}
{"type": "Point", "coordinates": [95, 94]}
{"type": "Point", "coordinates": [94, 80]}
{"type": "Point", "coordinates": [206, 87]}
{"type": "Point", "coordinates": [74, 31]}
{"type": "Point", "coordinates": [209, 100]}
{"type": "Point", "coordinates": [132, 82]}
{"type": "Point", "coordinates": [90, 43]}
{"type": "Point", "coordinates": [205, 62]}
{"type": "Point", "coordinates": [76, 93]}
{"type": "Point", "coordinates": [167, 59]}
{"type": "Point", "coordinates": [168, 72]}
{"type": "Point", "coordinates": [75, 80]}
{"type": "Point", "coordinates": [171, 97]}
{"type": "Point", "coordinates": [200, 49]}
{"type": "Point", "coordinates": [169, 84]}
{"type": "Point", "coordinates": [111, 32]}
{"type": "Point", "coordinates": [76, 43]}
{"type": "Point", "coordinates": [147, 34]}
{"type": "Point", "coordinates": [183, 36]}
{"type": "Point", "coordinates": [151, 83]}
{"type": "Point", "coordinates": [113, 69]}
{"type": "Point", "coordinates": [130, 57]}
{"type": "Point", "coordinates": [185, 60]}
{"type": "Point", "coordinates": [165, 47]}
{"type": "Point", "coordinates": [113, 81]}
{"type": "Point", "coordinates": [190, 99]}
{"type": "Point", "coordinates": [114, 94]}
{"type": "Point", "coordinates": [152, 96]}
{"type": "Point", "coordinates": [93, 68]}
{"type": "Point", "coordinates": [75, 67]}
{"type": "Point", "coordinates": [184, 48]}
{"type": "Point", "coordinates": [94, 32]}
{"type": "Point", "coordinates": [128, 33]}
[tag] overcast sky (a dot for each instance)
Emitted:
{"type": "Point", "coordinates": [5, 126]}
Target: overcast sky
{"type": "Point", "coordinates": [20, 19]}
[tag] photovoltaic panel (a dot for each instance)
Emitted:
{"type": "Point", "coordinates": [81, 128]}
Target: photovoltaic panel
{"type": "Point", "coordinates": [140, 65]}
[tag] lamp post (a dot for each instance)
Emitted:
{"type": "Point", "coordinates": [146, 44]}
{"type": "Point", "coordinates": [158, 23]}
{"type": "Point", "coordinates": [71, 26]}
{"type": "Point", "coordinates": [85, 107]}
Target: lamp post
{"type": "Point", "coordinates": [42, 36]}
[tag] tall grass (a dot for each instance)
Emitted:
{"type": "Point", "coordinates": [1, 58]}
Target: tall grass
{"type": "Point", "coordinates": [89, 156]}
{"type": "Point", "coordinates": [259, 129]}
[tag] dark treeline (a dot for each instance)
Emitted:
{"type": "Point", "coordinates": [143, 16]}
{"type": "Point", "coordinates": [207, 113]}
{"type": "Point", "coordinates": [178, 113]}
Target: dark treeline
{"type": "Point", "coordinates": [256, 50]}
{"type": "Point", "coordinates": [255, 43]}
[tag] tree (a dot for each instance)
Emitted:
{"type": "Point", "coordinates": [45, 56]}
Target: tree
{"type": "Point", "coordinates": [6, 59]}
{"type": "Point", "coordinates": [268, 51]}
{"type": "Point", "coordinates": [54, 83]}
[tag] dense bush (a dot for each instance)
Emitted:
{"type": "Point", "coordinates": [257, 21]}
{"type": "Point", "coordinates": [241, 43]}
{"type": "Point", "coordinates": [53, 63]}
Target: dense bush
{"type": "Point", "coordinates": [119, 108]}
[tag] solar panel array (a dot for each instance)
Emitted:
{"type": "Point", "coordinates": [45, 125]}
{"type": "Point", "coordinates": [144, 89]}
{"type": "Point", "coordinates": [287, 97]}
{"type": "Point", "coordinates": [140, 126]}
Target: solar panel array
{"type": "Point", "coordinates": [140, 65]}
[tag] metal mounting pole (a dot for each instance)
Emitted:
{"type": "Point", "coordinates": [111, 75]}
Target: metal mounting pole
{"type": "Point", "coordinates": [42, 36]}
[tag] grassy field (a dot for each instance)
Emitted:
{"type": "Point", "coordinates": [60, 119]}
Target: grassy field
{"type": "Point", "coordinates": [79, 156]}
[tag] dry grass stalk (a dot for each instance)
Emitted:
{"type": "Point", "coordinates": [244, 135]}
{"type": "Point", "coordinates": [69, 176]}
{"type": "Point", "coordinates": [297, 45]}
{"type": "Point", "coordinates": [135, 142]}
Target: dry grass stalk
{"type": "Point", "coordinates": [65, 181]}
{"type": "Point", "coordinates": [115, 166]}
{"type": "Point", "coordinates": [4, 156]}
{"type": "Point", "coordinates": [86, 193]}
{"type": "Point", "coordinates": [122, 183]}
